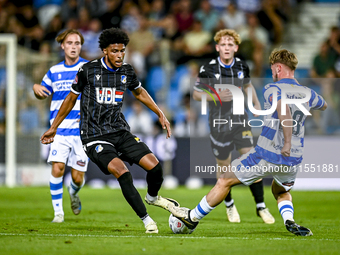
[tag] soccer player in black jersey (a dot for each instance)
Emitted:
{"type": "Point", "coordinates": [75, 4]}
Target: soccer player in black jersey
{"type": "Point", "coordinates": [105, 134]}
{"type": "Point", "coordinates": [227, 69]}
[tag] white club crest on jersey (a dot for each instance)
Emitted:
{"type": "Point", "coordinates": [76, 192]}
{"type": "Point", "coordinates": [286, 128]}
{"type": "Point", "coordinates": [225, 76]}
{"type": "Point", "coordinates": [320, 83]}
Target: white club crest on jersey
{"type": "Point", "coordinates": [202, 69]}
{"type": "Point", "coordinates": [123, 79]}
{"type": "Point", "coordinates": [217, 75]}
{"type": "Point", "coordinates": [97, 77]}
{"type": "Point", "coordinates": [99, 148]}
{"type": "Point", "coordinates": [240, 75]}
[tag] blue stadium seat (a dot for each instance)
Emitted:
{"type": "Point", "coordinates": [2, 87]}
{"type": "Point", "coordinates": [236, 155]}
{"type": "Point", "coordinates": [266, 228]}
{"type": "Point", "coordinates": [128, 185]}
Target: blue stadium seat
{"type": "Point", "coordinates": [179, 72]}
{"type": "Point", "coordinates": [155, 80]}
{"type": "Point", "coordinates": [29, 120]}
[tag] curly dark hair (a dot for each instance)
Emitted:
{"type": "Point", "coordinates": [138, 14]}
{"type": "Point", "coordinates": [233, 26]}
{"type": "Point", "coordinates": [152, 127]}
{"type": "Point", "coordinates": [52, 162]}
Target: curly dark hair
{"type": "Point", "coordinates": [111, 36]}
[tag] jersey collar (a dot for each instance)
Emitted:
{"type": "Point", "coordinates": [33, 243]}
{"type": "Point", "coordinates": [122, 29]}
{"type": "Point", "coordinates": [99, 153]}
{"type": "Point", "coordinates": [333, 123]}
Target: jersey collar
{"type": "Point", "coordinates": [225, 66]}
{"type": "Point", "coordinates": [67, 66]}
{"type": "Point", "coordinates": [106, 66]}
{"type": "Point", "coordinates": [289, 81]}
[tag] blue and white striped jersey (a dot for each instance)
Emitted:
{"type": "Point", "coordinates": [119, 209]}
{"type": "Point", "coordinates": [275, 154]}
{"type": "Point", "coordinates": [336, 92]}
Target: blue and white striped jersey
{"type": "Point", "coordinates": [271, 140]}
{"type": "Point", "coordinates": [58, 81]}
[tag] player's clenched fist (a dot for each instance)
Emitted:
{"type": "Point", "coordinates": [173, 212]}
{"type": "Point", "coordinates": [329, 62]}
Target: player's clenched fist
{"type": "Point", "coordinates": [226, 95]}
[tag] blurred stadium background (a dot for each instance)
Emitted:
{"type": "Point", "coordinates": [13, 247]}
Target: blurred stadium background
{"type": "Point", "coordinates": [169, 41]}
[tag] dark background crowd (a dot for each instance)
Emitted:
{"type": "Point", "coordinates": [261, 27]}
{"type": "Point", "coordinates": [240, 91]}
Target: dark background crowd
{"type": "Point", "coordinates": [169, 40]}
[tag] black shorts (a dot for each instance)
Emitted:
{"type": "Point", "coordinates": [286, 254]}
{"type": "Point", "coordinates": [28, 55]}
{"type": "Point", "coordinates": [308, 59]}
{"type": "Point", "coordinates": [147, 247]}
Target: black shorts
{"type": "Point", "coordinates": [223, 144]}
{"type": "Point", "coordinates": [128, 147]}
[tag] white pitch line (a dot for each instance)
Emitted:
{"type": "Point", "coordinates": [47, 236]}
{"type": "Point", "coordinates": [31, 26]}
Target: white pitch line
{"type": "Point", "coordinates": [170, 237]}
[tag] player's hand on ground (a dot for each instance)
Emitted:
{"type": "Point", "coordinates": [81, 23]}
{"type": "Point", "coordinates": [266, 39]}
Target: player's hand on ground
{"type": "Point", "coordinates": [41, 91]}
{"type": "Point", "coordinates": [165, 125]}
{"type": "Point", "coordinates": [226, 95]}
{"type": "Point", "coordinates": [48, 137]}
{"type": "Point", "coordinates": [286, 149]}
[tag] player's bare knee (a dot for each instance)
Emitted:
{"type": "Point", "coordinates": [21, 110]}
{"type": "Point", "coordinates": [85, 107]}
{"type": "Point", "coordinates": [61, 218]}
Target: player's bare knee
{"type": "Point", "coordinates": [58, 169]}
{"type": "Point", "coordinates": [224, 182]}
{"type": "Point", "coordinates": [117, 167]}
{"type": "Point", "coordinates": [77, 177]}
{"type": "Point", "coordinates": [280, 192]}
{"type": "Point", "coordinates": [148, 162]}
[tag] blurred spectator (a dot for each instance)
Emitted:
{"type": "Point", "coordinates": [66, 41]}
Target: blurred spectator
{"type": "Point", "coordinates": [208, 17]}
{"type": "Point", "coordinates": [156, 14]}
{"type": "Point", "coordinates": [323, 68]}
{"type": "Point", "coordinates": [84, 19]}
{"type": "Point", "coordinates": [95, 7]}
{"type": "Point", "coordinates": [323, 63]}
{"type": "Point", "coordinates": [219, 5]}
{"type": "Point", "coordinates": [130, 22]}
{"type": "Point", "coordinates": [53, 29]}
{"type": "Point", "coordinates": [272, 19]}
{"type": "Point", "coordinates": [195, 43]}
{"type": "Point", "coordinates": [46, 10]}
{"type": "Point", "coordinates": [112, 17]}
{"type": "Point", "coordinates": [183, 15]}
{"type": "Point", "coordinates": [232, 18]}
{"type": "Point", "coordinates": [90, 49]}
{"type": "Point", "coordinates": [334, 43]}
{"type": "Point", "coordinates": [162, 24]}
{"type": "Point", "coordinates": [141, 45]}
{"type": "Point", "coordinates": [25, 25]}
{"type": "Point", "coordinates": [140, 120]}
{"type": "Point", "coordinates": [69, 10]}
{"type": "Point", "coordinates": [254, 43]}
{"type": "Point", "coordinates": [3, 20]}
{"type": "Point", "coordinates": [185, 83]}
{"type": "Point", "coordinates": [248, 6]}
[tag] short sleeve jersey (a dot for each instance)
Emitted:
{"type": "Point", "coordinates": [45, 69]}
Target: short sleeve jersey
{"type": "Point", "coordinates": [271, 140]}
{"type": "Point", "coordinates": [58, 80]}
{"type": "Point", "coordinates": [102, 97]}
{"type": "Point", "coordinates": [214, 73]}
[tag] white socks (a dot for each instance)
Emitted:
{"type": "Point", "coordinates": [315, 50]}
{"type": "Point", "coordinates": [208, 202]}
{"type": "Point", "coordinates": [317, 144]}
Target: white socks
{"type": "Point", "coordinates": [229, 203]}
{"type": "Point", "coordinates": [56, 188]}
{"type": "Point", "coordinates": [261, 205]}
{"type": "Point", "coordinates": [74, 189]}
{"type": "Point", "coordinates": [201, 210]}
{"type": "Point", "coordinates": [150, 198]}
{"type": "Point", "coordinates": [147, 219]}
{"type": "Point", "coordinates": [286, 210]}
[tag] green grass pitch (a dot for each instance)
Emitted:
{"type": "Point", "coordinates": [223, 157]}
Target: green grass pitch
{"type": "Point", "coordinates": [107, 225]}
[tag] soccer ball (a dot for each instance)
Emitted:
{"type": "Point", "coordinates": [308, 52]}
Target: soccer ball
{"type": "Point", "coordinates": [177, 226]}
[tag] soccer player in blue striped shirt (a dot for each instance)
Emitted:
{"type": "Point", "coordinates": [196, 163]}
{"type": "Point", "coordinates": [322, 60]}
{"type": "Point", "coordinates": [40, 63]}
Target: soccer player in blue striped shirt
{"type": "Point", "coordinates": [67, 146]}
{"type": "Point", "coordinates": [279, 148]}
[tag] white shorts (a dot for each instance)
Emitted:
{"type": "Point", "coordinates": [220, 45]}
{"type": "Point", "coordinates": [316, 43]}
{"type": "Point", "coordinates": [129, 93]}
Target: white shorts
{"type": "Point", "coordinates": [250, 167]}
{"type": "Point", "coordinates": [68, 149]}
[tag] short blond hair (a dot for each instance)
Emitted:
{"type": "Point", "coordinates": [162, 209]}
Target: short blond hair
{"type": "Point", "coordinates": [61, 37]}
{"type": "Point", "coordinates": [227, 32]}
{"type": "Point", "coordinates": [285, 57]}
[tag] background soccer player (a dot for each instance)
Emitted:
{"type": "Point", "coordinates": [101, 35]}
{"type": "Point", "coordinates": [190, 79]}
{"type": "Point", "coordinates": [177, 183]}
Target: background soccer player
{"type": "Point", "coordinates": [67, 146]}
{"type": "Point", "coordinates": [226, 69]}
{"type": "Point", "coordinates": [105, 133]}
{"type": "Point", "coordinates": [280, 146]}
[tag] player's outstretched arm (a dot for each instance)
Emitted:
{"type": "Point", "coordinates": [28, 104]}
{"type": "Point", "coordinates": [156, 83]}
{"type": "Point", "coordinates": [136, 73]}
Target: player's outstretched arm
{"type": "Point", "coordinates": [324, 107]}
{"type": "Point", "coordinates": [40, 91]}
{"type": "Point", "coordinates": [65, 108]}
{"type": "Point", "coordinates": [225, 96]}
{"type": "Point", "coordinates": [142, 95]}
{"type": "Point", "coordinates": [286, 127]}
